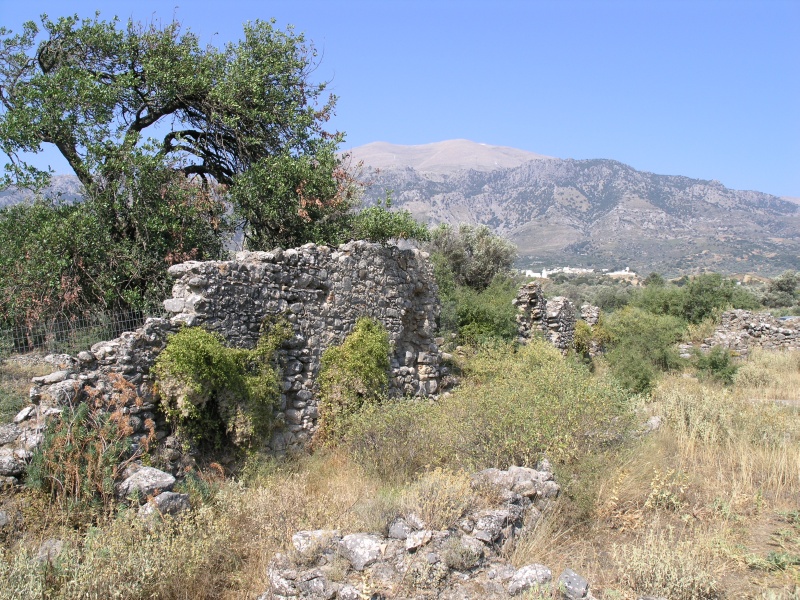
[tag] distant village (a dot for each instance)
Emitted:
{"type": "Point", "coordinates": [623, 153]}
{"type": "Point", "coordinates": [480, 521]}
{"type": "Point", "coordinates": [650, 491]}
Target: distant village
{"type": "Point", "coordinates": [626, 273]}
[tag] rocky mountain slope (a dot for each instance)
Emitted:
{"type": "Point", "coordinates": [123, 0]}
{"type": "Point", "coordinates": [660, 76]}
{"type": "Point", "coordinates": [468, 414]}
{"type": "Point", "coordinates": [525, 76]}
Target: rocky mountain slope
{"type": "Point", "coordinates": [65, 188]}
{"type": "Point", "coordinates": [590, 213]}
{"type": "Point", "coordinates": [595, 213]}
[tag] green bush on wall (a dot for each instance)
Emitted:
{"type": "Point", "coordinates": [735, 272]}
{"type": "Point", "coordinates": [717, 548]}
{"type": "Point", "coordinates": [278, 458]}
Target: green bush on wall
{"type": "Point", "coordinates": [207, 388]}
{"type": "Point", "coordinates": [353, 375]}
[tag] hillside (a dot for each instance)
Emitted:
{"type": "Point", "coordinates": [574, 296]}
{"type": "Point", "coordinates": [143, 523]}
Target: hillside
{"type": "Point", "coordinates": [590, 213]}
{"type": "Point", "coordinates": [594, 213]}
{"type": "Point", "coordinates": [66, 188]}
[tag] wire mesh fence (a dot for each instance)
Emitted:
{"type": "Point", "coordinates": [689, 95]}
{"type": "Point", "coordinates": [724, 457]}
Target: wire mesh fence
{"type": "Point", "coordinates": [68, 335]}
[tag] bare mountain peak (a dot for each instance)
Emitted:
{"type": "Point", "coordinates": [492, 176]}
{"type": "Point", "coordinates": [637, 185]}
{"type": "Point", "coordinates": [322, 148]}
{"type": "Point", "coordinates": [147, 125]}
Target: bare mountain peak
{"type": "Point", "coordinates": [597, 213]}
{"type": "Point", "coordinates": [442, 157]}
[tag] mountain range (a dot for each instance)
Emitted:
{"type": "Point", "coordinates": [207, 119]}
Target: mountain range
{"type": "Point", "coordinates": [66, 188]}
{"type": "Point", "coordinates": [587, 213]}
{"type": "Point", "coordinates": [580, 213]}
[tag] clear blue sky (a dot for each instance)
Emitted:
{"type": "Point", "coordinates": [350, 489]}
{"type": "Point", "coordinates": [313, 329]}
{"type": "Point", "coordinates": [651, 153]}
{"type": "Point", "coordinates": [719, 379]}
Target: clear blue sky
{"type": "Point", "coordinates": [704, 88]}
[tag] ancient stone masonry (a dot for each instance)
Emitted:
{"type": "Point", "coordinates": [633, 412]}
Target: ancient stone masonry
{"type": "Point", "coordinates": [412, 560]}
{"type": "Point", "coordinates": [113, 374]}
{"type": "Point", "coordinates": [554, 318]}
{"type": "Point", "coordinates": [590, 314]}
{"type": "Point", "coordinates": [741, 330]}
{"type": "Point", "coordinates": [321, 291]}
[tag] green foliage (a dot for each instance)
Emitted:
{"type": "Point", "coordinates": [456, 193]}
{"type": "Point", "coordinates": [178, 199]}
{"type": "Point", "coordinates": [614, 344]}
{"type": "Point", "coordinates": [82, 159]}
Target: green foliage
{"type": "Point", "coordinates": [486, 315]}
{"type": "Point", "coordinates": [352, 376]}
{"type": "Point", "coordinates": [582, 338]}
{"type": "Point", "coordinates": [286, 200]}
{"type": "Point", "coordinates": [611, 297]}
{"type": "Point", "coordinates": [247, 129]}
{"type": "Point", "coordinates": [589, 338]}
{"type": "Point", "coordinates": [654, 279]}
{"type": "Point", "coordinates": [640, 345]}
{"type": "Point", "coordinates": [40, 249]}
{"type": "Point", "coordinates": [109, 251]}
{"type": "Point", "coordinates": [473, 254]}
{"type": "Point", "coordinates": [472, 270]}
{"type": "Point", "coordinates": [379, 224]}
{"type": "Point", "coordinates": [782, 291]}
{"type": "Point", "coordinates": [79, 459]}
{"type": "Point", "coordinates": [94, 88]}
{"type": "Point", "coordinates": [717, 363]}
{"type": "Point", "coordinates": [514, 406]}
{"type": "Point", "coordinates": [661, 300]}
{"type": "Point", "coordinates": [207, 389]}
{"type": "Point", "coordinates": [590, 288]}
{"type": "Point", "coordinates": [708, 293]}
{"type": "Point", "coordinates": [701, 297]}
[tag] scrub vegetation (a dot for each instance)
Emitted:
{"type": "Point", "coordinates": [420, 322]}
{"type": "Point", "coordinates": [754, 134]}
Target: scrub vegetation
{"type": "Point", "coordinates": [679, 476]}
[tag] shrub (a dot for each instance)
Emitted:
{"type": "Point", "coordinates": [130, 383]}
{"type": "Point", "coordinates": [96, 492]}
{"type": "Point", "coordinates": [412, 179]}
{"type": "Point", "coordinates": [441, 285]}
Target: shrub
{"type": "Point", "coordinates": [397, 440]}
{"type": "Point", "coordinates": [380, 224]}
{"type": "Point", "coordinates": [206, 388]}
{"type": "Point", "coordinates": [782, 291]}
{"type": "Point", "coordinates": [663, 566]}
{"type": "Point", "coordinates": [703, 297]}
{"type": "Point", "coordinates": [661, 299]}
{"type": "Point", "coordinates": [642, 344]}
{"type": "Point", "coordinates": [130, 559]}
{"type": "Point", "coordinates": [473, 254]}
{"type": "Point", "coordinates": [80, 458]}
{"type": "Point", "coordinates": [352, 375]}
{"type": "Point", "coordinates": [486, 315]}
{"type": "Point", "coordinates": [513, 408]}
{"type": "Point", "coordinates": [588, 338]}
{"type": "Point", "coordinates": [440, 498]}
{"type": "Point", "coordinates": [717, 363]}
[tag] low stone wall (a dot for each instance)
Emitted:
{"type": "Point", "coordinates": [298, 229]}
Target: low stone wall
{"type": "Point", "coordinates": [113, 375]}
{"type": "Point", "coordinates": [321, 291]}
{"type": "Point", "coordinates": [554, 318]}
{"type": "Point", "coordinates": [742, 330]}
{"type": "Point", "coordinates": [413, 559]}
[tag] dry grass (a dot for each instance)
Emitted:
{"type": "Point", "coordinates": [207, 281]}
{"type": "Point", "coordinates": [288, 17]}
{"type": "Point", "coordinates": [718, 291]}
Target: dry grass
{"type": "Point", "coordinates": [699, 508]}
{"type": "Point", "coordinates": [440, 498]}
{"type": "Point", "coordinates": [221, 551]}
{"type": "Point", "coordinates": [15, 383]}
{"type": "Point", "coordinates": [696, 333]}
{"type": "Point", "coordinates": [770, 376]}
{"type": "Point", "coordinates": [705, 507]}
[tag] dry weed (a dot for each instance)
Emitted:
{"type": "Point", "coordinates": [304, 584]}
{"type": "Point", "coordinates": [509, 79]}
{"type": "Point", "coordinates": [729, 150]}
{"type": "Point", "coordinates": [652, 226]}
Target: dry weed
{"type": "Point", "coordinates": [770, 376]}
{"type": "Point", "coordinates": [661, 564]}
{"type": "Point", "coordinates": [440, 498]}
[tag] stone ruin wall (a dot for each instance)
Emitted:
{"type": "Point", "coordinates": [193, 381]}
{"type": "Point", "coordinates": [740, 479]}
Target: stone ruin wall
{"type": "Point", "coordinates": [554, 319]}
{"type": "Point", "coordinates": [742, 330]}
{"type": "Point", "coordinates": [321, 291]}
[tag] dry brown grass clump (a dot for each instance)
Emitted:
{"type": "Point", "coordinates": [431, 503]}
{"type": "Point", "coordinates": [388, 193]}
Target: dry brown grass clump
{"type": "Point", "coordinates": [706, 506]}
{"type": "Point", "coordinates": [770, 376]}
{"type": "Point", "coordinates": [220, 551]}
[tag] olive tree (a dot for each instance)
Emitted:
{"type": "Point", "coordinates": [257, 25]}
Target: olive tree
{"type": "Point", "coordinates": [472, 253]}
{"type": "Point", "coordinates": [171, 140]}
{"type": "Point", "coordinates": [111, 97]}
